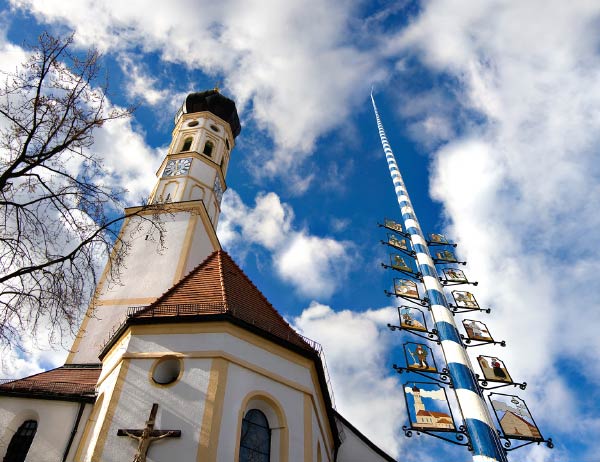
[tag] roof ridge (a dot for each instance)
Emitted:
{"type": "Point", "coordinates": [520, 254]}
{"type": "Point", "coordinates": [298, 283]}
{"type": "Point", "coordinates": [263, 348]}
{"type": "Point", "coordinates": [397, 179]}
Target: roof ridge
{"type": "Point", "coordinates": [258, 290]}
{"type": "Point", "coordinates": [39, 373]}
{"type": "Point", "coordinates": [222, 276]}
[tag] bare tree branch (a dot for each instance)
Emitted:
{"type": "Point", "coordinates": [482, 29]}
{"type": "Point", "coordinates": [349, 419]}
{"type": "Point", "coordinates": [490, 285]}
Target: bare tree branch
{"type": "Point", "coordinates": [57, 223]}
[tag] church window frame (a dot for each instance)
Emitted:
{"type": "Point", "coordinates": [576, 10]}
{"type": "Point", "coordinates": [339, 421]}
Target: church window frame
{"type": "Point", "coordinates": [21, 441]}
{"type": "Point", "coordinates": [255, 439]}
{"type": "Point", "coordinates": [187, 144]}
{"type": "Point", "coordinates": [275, 414]}
{"type": "Point", "coordinates": [166, 371]}
{"type": "Point", "coordinates": [209, 147]}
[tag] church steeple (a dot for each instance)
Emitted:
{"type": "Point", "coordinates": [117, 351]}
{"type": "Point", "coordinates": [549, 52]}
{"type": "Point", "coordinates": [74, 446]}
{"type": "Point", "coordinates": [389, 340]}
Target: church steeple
{"type": "Point", "coordinates": [189, 188]}
{"type": "Point", "coordinates": [198, 157]}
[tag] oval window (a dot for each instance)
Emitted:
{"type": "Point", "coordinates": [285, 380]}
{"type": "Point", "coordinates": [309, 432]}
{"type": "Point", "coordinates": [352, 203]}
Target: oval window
{"type": "Point", "coordinates": [214, 128]}
{"type": "Point", "coordinates": [166, 370]}
{"type": "Point", "coordinates": [193, 123]}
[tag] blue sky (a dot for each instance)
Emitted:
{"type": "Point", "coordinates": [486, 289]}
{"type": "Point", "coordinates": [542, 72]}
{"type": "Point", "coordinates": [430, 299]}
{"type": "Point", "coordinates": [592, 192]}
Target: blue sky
{"type": "Point", "coordinates": [493, 111]}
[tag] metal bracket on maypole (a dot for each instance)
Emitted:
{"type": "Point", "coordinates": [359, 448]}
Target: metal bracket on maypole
{"type": "Point", "coordinates": [427, 404]}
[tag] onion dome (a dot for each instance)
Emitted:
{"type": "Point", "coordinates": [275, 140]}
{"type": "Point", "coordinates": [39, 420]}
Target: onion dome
{"type": "Point", "coordinates": [215, 102]}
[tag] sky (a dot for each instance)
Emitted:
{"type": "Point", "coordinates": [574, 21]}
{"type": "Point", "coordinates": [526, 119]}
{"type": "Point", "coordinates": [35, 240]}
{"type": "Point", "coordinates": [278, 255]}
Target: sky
{"type": "Point", "coordinates": [493, 111]}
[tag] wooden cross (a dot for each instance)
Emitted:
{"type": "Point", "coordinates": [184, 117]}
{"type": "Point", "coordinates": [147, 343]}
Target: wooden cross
{"type": "Point", "coordinates": [147, 435]}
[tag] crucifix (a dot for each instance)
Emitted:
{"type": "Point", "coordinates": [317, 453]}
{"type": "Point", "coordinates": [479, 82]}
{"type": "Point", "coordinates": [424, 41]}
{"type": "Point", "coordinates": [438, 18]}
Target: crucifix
{"type": "Point", "coordinates": [147, 435]}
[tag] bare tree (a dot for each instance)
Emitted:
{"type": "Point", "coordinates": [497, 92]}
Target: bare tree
{"type": "Point", "coordinates": [57, 221]}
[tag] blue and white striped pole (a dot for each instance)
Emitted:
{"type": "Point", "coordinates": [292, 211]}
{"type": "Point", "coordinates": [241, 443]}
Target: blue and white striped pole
{"type": "Point", "coordinates": [484, 439]}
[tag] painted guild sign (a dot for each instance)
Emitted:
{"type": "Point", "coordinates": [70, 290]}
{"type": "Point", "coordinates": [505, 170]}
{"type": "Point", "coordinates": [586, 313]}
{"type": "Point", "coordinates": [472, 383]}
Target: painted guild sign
{"type": "Point", "coordinates": [438, 239]}
{"type": "Point", "coordinates": [412, 318]}
{"type": "Point", "coordinates": [493, 369]}
{"type": "Point", "coordinates": [514, 417]}
{"type": "Point", "coordinates": [428, 408]}
{"type": "Point", "coordinates": [398, 263]}
{"type": "Point", "coordinates": [476, 330]}
{"type": "Point", "coordinates": [446, 255]}
{"type": "Point", "coordinates": [465, 300]}
{"type": "Point", "coordinates": [406, 288]}
{"type": "Point", "coordinates": [398, 243]}
{"type": "Point", "coordinates": [419, 357]}
{"type": "Point", "coordinates": [454, 275]}
{"type": "Point", "coordinates": [391, 224]}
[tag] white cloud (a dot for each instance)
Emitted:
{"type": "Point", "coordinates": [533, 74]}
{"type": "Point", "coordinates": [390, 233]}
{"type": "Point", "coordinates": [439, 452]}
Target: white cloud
{"type": "Point", "coordinates": [285, 58]}
{"type": "Point", "coordinates": [141, 84]}
{"type": "Point", "coordinates": [521, 186]}
{"type": "Point", "coordinates": [346, 336]}
{"type": "Point", "coordinates": [314, 265]}
{"type": "Point", "coordinates": [128, 163]}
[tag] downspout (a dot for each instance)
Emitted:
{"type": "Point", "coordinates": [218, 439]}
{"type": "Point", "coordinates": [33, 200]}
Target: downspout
{"type": "Point", "coordinates": [74, 431]}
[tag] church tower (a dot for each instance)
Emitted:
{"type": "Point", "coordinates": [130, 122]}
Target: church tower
{"type": "Point", "coordinates": [186, 203]}
{"type": "Point", "coordinates": [185, 360]}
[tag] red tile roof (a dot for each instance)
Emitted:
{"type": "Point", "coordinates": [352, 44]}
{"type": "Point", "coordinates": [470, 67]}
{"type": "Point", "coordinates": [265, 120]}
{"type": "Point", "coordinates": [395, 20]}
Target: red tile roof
{"type": "Point", "coordinates": [219, 286]}
{"type": "Point", "coordinates": [69, 381]}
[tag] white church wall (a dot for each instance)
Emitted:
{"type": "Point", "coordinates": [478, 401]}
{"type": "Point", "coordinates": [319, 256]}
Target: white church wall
{"type": "Point", "coordinates": [181, 407]}
{"type": "Point", "coordinates": [55, 422]}
{"type": "Point", "coordinates": [146, 274]}
{"type": "Point", "coordinates": [186, 339]}
{"type": "Point", "coordinates": [200, 173]}
{"type": "Point", "coordinates": [252, 373]}
{"type": "Point", "coordinates": [244, 385]}
{"type": "Point", "coordinates": [354, 449]}
{"type": "Point", "coordinates": [95, 432]}
{"type": "Point", "coordinates": [200, 247]}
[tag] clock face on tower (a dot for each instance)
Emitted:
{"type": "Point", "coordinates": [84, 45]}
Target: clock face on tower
{"type": "Point", "coordinates": [218, 189]}
{"type": "Point", "coordinates": [176, 167]}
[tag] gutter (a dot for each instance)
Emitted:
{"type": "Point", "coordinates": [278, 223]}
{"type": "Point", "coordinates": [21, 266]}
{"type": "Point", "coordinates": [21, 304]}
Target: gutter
{"type": "Point", "coordinates": [74, 431]}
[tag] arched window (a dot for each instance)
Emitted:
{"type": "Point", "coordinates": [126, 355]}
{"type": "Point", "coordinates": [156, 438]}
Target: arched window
{"type": "Point", "coordinates": [187, 144]}
{"type": "Point", "coordinates": [255, 441]}
{"type": "Point", "coordinates": [20, 442]}
{"type": "Point", "coordinates": [208, 148]}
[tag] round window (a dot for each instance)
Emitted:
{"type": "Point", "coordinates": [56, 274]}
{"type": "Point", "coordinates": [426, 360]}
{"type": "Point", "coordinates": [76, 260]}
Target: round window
{"type": "Point", "coordinates": [193, 123]}
{"type": "Point", "coordinates": [166, 370]}
{"type": "Point", "coordinates": [214, 128]}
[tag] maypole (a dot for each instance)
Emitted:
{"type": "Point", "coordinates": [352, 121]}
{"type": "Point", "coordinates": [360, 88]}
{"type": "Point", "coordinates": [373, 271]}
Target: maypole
{"type": "Point", "coordinates": [484, 440]}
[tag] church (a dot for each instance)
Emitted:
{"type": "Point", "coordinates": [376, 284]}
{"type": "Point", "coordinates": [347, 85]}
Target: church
{"type": "Point", "coordinates": [184, 360]}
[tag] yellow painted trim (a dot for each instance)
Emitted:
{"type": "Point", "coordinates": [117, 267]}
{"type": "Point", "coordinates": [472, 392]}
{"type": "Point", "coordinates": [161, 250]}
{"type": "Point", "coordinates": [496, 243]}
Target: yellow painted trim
{"type": "Point", "coordinates": [160, 360]}
{"type": "Point", "coordinates": [308, 431]}
{"type": "Point", "coordinates": [169, 207]}
{"type": "Point", "coordinates": [197, 186]}
{"type": "Point", "coordinates": [89, 425]}
{"type": "Point", "coordinates": [126, 301]}
{"type": "Point", "coordinates": [108, 358]}
{"type": "Point", "coordinates": [213, 412]}
{"type": "Point", "coordinates": [229, 357]}
{"type": "Point", "coordinates": [284, 442]}
{"type": "Point", "coordinates": [221, 327]}
{"type": "Point", "coordinates": [228, 328]}
{"type": "Point", "coordinates": [185, 248]}
{"type": "Point", "coordinates": [225, 327]}
{"type": "Point", "coordinates": [110, 412]}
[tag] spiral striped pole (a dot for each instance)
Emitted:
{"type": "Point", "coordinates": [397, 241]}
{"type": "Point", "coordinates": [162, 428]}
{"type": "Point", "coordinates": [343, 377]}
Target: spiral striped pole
{"type": "Point", "coordinates": [484, 439]}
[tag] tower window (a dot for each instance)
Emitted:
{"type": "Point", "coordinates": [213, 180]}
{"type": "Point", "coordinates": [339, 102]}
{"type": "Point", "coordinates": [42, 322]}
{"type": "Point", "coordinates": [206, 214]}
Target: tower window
{"type": "Point", "coordinates": [255, 441]}
{"type": "Point", "coordinates": [193, 123]}
{"type": "Point", "coordinates": [208, 148]}
{"type": "Point", "coordinates": [21, 442]}
{"type": "Point", "coordinates": [187, 144]}
{"type": "Point", "coordinates": [227, 143]}
{"type": "Point", "coordinates": [214, 128]}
